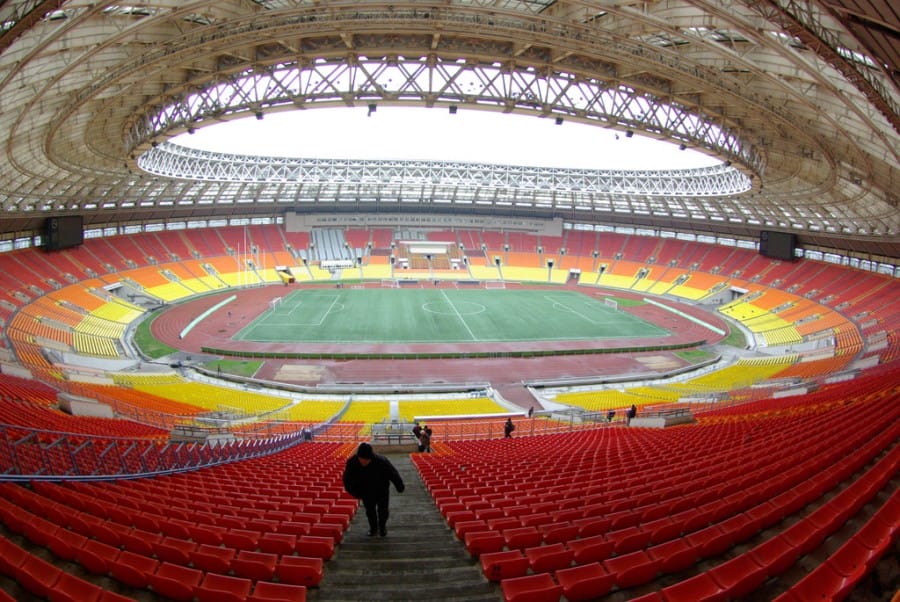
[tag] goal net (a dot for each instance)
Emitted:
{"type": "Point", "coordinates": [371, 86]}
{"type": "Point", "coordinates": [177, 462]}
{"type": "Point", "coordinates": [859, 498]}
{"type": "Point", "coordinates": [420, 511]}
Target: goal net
{"type": "Point", "coordinates": [489, 284]}
{"type": "Point", "coordinates": [275, 303]}
{"type": "Point", "coordinates": [390, 283]}
{"type": "Point", "coordinates": [611, 303]}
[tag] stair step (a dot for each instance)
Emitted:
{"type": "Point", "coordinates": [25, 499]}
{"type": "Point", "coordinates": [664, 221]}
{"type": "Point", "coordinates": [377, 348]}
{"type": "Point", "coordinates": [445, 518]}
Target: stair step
{"type": "Point", "coordinates": [421, 554]}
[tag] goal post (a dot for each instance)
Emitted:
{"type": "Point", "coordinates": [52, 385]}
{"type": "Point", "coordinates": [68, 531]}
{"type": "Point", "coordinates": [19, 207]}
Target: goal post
{"type": "Point", "coordinates": [611, 303]}
{"type": "Point", "coordinates": [275, 303]}
{"type": "Point", "coordinates": [494, 284]}
{"type": "Point", "coordinates": [390, 283]}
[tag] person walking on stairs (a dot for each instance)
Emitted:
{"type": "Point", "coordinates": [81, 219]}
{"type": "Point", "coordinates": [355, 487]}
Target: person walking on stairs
{"type": "Point", "coordinates": [368, 476]}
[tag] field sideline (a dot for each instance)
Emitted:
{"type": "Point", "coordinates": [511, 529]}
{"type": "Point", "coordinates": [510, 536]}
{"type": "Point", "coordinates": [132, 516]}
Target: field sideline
{"type": "Point", "coordinates": [377, 316]}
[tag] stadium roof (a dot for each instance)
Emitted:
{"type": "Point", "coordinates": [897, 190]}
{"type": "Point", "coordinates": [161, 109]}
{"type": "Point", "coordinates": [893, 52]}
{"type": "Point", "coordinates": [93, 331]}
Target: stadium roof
{"type": "Point", "coordinates": [798, 98]}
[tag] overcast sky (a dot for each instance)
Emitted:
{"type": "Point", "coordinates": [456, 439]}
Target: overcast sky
{"type": "Point", "coordinates": [435, 134]}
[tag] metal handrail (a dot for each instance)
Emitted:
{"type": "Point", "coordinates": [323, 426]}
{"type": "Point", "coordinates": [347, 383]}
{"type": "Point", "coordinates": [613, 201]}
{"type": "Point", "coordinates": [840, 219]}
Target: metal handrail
{"type": "Point", "coordinates": [31, 454]}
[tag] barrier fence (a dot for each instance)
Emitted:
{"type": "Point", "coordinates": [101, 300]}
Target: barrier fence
{"type": "Point", "coordinates": [27, 454]}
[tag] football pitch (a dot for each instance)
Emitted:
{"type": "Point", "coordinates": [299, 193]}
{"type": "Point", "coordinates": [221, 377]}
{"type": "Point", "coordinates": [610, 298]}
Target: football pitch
{"type": "Point", "coordinates": [441, 316]}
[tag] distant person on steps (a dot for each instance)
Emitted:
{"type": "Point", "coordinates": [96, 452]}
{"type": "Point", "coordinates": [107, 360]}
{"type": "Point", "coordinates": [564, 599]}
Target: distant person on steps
{"type": "Point", "coordinates": [508, 428]}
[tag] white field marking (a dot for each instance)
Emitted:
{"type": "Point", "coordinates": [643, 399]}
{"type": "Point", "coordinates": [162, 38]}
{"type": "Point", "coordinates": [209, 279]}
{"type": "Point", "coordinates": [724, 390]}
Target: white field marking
{"type": "Point", "coordinates": [459, 315]}
{"type": "Point", "coordinates": [565, 307]}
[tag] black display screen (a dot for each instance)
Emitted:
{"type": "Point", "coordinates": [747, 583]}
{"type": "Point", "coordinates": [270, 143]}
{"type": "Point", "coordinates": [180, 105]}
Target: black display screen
{"type": "Point", "coordinates": [778, 245]}
{"type": "Point", "coordinates": [63, 232]}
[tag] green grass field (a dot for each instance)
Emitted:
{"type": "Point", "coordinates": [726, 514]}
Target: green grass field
{"type": "Point", "coordinates": [441, 316]}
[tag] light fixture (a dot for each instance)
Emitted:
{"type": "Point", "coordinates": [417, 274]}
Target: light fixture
{"type": "Point", "coordinates": [372, 108]}
{"type": "Point", "coordinates": [259, 115]}
{"type": "Point", "coordinates": [559, 121]}
{"type": "Point", "coordinates": [727, 163]}
{"type": "Point", "coordinates": [453, 109]}
{"type": "Point", "coordinates": [681, 146]}
{"type": "Point", "coordinates": [191, 130]}
{"type": "Point", "coordinates": [629, 134]}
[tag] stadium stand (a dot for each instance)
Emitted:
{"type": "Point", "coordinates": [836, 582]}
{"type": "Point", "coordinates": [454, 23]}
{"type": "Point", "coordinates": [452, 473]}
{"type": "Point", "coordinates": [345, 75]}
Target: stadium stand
{"type": "Point", "coordinates": [751, 491]}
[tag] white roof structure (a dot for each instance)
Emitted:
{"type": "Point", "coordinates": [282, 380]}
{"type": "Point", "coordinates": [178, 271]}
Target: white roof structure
{"type": "Point", "coordinates": [800, 101]}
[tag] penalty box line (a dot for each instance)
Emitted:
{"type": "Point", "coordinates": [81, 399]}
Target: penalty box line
{"type": "Point", "coordinates": [571, 310]}
{"type": "Point", "coordinates": [299, 305]}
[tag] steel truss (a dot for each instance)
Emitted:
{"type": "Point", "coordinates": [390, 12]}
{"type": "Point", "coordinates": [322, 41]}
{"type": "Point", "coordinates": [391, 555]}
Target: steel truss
{"type": "Point", "coordinates": [430, 80]}
{"type": "Point", "coordinates": [395, 178]}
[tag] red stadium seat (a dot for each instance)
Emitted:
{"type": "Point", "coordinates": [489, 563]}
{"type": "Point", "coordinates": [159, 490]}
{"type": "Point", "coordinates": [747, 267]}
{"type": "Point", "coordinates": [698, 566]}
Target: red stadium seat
{"type": "Point", "coordinates": [558, 532]}
{"type": "Point", "coordinates": [174, 550]}
{"type": "Point", "coordinates": [700, 588]}
{"type": "Point", "coordinates": [497, 566]}
{"type": "Point", "coordinates": [822, 583]}
{"type": "Point", "coordinates": [629, 539]}
{"type": "Point", "coordinates": [501, 524]}
{"type": "Point", "coordinates": [258, 566]}
{"type": "Point", "coordinates": [852, 559]}
{"type": "Point", "coordinates": [591, 549]}
{"type": "Point", "coordinates": [316, 547]}
{"type": "Point", "coordinates": [804, 536]}
{"type": "Point", "coordinates": [549, 557]}
{"type": "Point", "coordinates": [531, 588]}
{"type": "Point", "coordinates": [11, 556]}
{"type": "Point", "coordinates": [279, 543]}
{"type": "Point", "coordinates": [740, 526]}
{"type": "Point", "coordinates": [222, 588]}
{"type": "Point", "coordinates": [294, 528]}
{"type": "Point", "coordinates": [662, 529]}
{"type": "Point", "coordinates": [70, 588]}
{"type": "Point", "coordinates": [585, 582]}
{"type": "Point", "coordinates": [481, 542]}
{"type": "Point", "coordinates": [710, 541]}
{"type": "Point", "coordinates": [588, 527]}
{"type": "Point", "coordinates": [632, 569]}
{"type": "Point", "coordinates": [39, 530]}
{"type": "Point", "coordinates": [464, 526]}
{"type": "Point", "coordinates": [454, 516]}
{"type": "Point", "coordinates": [216, 559]}
{"type": "Point", "coordinates": [775, 555]}
{"type": "Point", "coordinates": [266, 591]}
{"type": "Point", "coordinates": [522, 537]}
{"type": "Point", "coordinates": [207, 534]}
{"type": "Point", "coordinates": [176, 582]}
{"type": "Point", "coordinates": [320, 529]}
{"type": "Point", "coordinates": [96, 556]}
{"type": "Point", "coordinates": [674, 555]}
{"type": "Point", "coordinates": [133, 569]}
{"type": "Point", "coordinates": [299, 570]}
{"type": "Point", "coordinates": [241, 539]}
{"type": "Point", "coordinates": [37, 576]}
{"type": "Point", "coordinates": [739, 576]}
{"type": "Point", "coordinates": [140, 541]}
{"type": "Point", "coordinates": [65, 544]}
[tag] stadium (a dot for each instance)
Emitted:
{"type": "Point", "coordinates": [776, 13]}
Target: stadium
{"type": "Point", "coordinates": [195, 340]}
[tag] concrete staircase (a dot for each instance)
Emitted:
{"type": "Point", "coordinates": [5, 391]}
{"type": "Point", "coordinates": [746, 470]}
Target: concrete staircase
{"type": "Point", "coordinates": [420, 559]}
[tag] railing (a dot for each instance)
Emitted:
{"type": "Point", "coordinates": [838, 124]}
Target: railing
{"type": "Point", "coordinates": [27, 454]}
{"type": "Point", "coordinates": [450, 429]}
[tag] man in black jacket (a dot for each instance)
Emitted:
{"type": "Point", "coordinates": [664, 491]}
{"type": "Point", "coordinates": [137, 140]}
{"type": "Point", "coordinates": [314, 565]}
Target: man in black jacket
{"type": "Point", "coordinates": [367, 476]}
